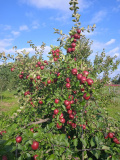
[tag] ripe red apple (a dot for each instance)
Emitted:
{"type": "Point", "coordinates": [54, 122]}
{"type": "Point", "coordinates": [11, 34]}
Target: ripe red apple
{"type": "Point", "coordinates": [75, 40]}
{"type": "Point", "coordinates": [85, 73]}
{"type": "Point", "coordinates": [66, 102]}
{"type": "Point", "coordinates": [38, 77]}
{"type": "Point", "coordinates": [73, 45]}
{"type": "Point", "coordinates": [86, 97]}
{"type": "Point", "coordinates": [79, 76]}
{"type": "Point", "coordinates": [68, 50]}
{"type": "Point", "coordinates": [67, 80]}
{"type": "Point", "coordinates": [69, 137]}
{"type": "Point", "coordinates": [71, 102]}
{"type": "Point", "coordinates": [70, 97]}
{"type": "Point", "coordinates": [69, 111]}
{"type": "Point", "coordinates": [27, 76]}
{"type": "Point", "coordinates": [68, 85]}
{"type": "Point", "coordinates": [75, 58]}
{"type": "Point", "coordinates": [56, 111]}
{"type": "Point", "coordinates": [72, 49]}
{"type": "Point", "coordinates": [36, 65]}
{"type": "Point", "coordinates": [115, 140]}
{"type": "Point", "coordinates": [82, 89]}
{"type": "Point", "coordinates": [75, 92]}
{"type": "Point", "coordinates": [45, 61]}
{"type": "Point", "coordinates": [74, 71]}
{"type": "Point", "coordinates": [68, 106]}
{"type": "Point", "coordinates": [83, 80]}
{"type": "Point", "coordinates": [21, 76]}
{"type": "Point", "coordinates": [32, 130]}
{"type": "Point", "coordinates": [35, 145]}
{"type": "Point", "coordinates": [58, 74]}
{"type": "Point", "coordinates": [4, 157]}
{"type": "Point", "coordinates": [35, 156]}
{"type": "Point", "coordinates": [18, 139]}
{"type": "Point", "coordinates": [73, 125]}
{"type": "Point", "coordinates": [69, 122]}
{"type": "Point", "coordinates": [78, 31]}
{"type": "Point", "coordinates": [89, 81]}
{"type": "Point", "coordinates": [58, 126]}
{"type": "Point", "coordinates": [71, 116]}
{"type": "Point", "coordinates": [55, 59]}
{"type": "Point", "coordinates": [3, 132]}
{"type": "Point", "coordinates": [76, 36]}
{"type": "Point", "coordinates": [49, 81]}
{"type": "Point", "coordinates": [57, 50]}
{"type": "Point", "coordinates": [56, 101]}
{"type": "Point", "coordinates": [39, 63]}
{"type": "Point", "coordinates": [62, 120]}
{"type": "Point", "coordinates": [61, 116]}
{"type": "Point", "coordinates": [41, 102]}
{"type": "Point", "coordinates": [110, 135]}
{"type": "Point", "coordinates": [84, 126]}
{"type": "Point", "coordinates": [106, 136]}
{"type": "Point", "coordinates": [41, 67]}
{"type": "Point", "coordinates": [12, 69]}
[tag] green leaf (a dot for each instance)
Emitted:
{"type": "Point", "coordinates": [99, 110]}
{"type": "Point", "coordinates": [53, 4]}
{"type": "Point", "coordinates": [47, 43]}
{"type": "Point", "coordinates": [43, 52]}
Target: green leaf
{"type": "Point", "coordinates": [83, 141]}
{"type": "Point", "coordinates": [75, 142]}
{"type": "Point", "coordinates": [92, 142]}
{"type": "Point", "coordinates": [106, 147]}
{"type": "Point", "coordinates": [52, 157]}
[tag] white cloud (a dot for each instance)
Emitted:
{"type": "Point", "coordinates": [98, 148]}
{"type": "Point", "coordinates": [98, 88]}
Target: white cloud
{"type": "Point", "coordinates": [99, 16]}
{"type": "Point", "coordinates": [60, 4]}
{"type": "Point", "coordinates": [15, 33]}
{"type": "Point", "coordinates": [110, 42]}
{"type": "Point", "coordinates": [5, 43]}
{"type": "Point", "coordinates": [7, 27]}
{"type": "Point", "coordinates": [116, 9]}
{"type": "Point", "coordinates": [23, 28]}
{"type": "Point", "coordinates": [114, 50]}
{"type": "Point", "coordinates": [35, 24]}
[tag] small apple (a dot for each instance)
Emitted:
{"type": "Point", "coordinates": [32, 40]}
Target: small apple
{"type": "Point", "coordinates": [21, 76]}
{"type": "Point", "coordinates": [38, 77]}
{"type": "Point", "coordinates": [49, 81]}
{"type": "Point", "coordinates": [58, 126]}
{"type": "Point", "coordinates": [79, 76]}
{"type": "Point", "coordinates": [56, 111]}
{"type": "Point", "coordinates": [86, 97]}
{"type": "Point", "coordinates": [68, 85]}
{"type": "Point", "coordinates": [35, 145]}
{"type": "Point", "coordinates": [18, 139]}
{"type": "Point", "coordinates": [73, 45]}
{"type": "Point", "coordinates": [12, 69]}
{"type": "Point", "coordinates": [32, 130]}
{"type": "Point", "coordinates": [69, 111]}
{"type": "Point", "coordinates": [68, 106]}
{"type": "Point", "coordinates": [40, 102]}
{"type": "Point", "coordinates": [67, 80]}
{"type": "Point", "coordinates": [74, 71]}
{"type": "Point", "coordinates": [39, 63]}
{"type": "Point", "coordinates": [4, 157]}
{"type": "Point", "coordinates": [89, 81]}
{"type": "Point", "coordinates": [85, 73]}
{"type": "Point", "coordinates": [78, 31]}
{"type": "Point", "coordinates": [83, 80]}
{"type": "Point", "coordinates": [72, 49]}
{"type": "Point", "coordinates": [35, 156]}
{"type": "Point", "coordinates": [69, 50]}
{"type": "Point", "coordinates": [73, 125]}
{"type": "Point", "coordinates": [62, 120]}
{"type": "Point", "coordinates": [66, 102]}
{"type": "Point", "coordinates": [56, 101]}
{"type": "Point", "coordinates": [110, 135]}
{"type": "Point", "coordinates": [41, 67]}
{"type": "Point", "coordinates": [71, 116]}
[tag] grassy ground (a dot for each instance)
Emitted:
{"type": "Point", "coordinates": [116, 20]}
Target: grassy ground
{"type": "Point", "coordinates": [114, 106]}
{"type": "Point", "coordinates": [9, 103]}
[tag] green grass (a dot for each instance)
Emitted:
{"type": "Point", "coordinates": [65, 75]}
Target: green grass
{"type": "Point", "coordinates": [9, 103]}
{"type": "Point", "coordinates": [114, 103]}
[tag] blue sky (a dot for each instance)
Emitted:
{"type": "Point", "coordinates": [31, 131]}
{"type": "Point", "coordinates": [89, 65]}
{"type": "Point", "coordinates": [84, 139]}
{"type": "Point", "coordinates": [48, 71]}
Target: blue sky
{"type": "Point", "coordinates": [24, 20]}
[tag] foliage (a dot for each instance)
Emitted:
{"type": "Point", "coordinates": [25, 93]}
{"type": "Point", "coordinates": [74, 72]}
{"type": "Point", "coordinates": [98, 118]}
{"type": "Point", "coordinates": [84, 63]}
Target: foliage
{"type": "Point", "coordinates": [62, 115]}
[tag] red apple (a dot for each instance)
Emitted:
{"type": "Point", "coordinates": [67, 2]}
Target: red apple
{"type": "Point", "coordinates": [35, 145]}
{"type": "Point", "coordinates": [71, 116]}
{"type": "Point", "coordinates": [73, 125]}
{"type": "Point", "coordinates": [58, 126]}
{"type": "Point", "coordinates": [115, 140]}
{"type": "Point", "coordinates": [74, 71]}
{"type": "Point", "coordinates": [110, 135]}
{"type": "Point", "coordinates": [84, 126]}
{"type": "Point", "coordinates": [78, 31]}
{"type": "Point", "coordinates": [32, 130]}
{"type": "Point", "coordinates": [83, 80]}
{"type": "Point", "coordinates": [4, 157]}
{"type": "Point", "coordinates": [55, 59]}
{"type": "Point", "coordinates": [68, 85]}
{"type": "Point", "coordinates": [68, 106]}
{"type": "Point", "coordinates": [89, 81]}
{"type": "Point", "coordinates": [38, 77]}
{"type": "Point", "coordinates": [49, 81]}
{"type": "Point", "coordinates": [21, 76]}
{"type": "Point", "coordinates": [79, 76]}
{"type": "Point", "coordinates": [71, 102]}
{"type": "Point", "coordinates": [62, 120]}
{"type": "Point", "coordinates": [61, 116]}
{"type": "Point", "coordinates": [69, 50]}
{"type": "Point", "coordinates": [35, 156]}
{"type": "Point", "coordinates": [69, 111]}
{"type": "Point", "coordinates": [41, 67]}
{"type": "Point", "coordinates": [70, 97]}
{"type": "Point", "coordinates": [85, 73]}
{"type": "Point", "coordinates": [75, 40]}
{"type": "Point", "coordinates": [76, 36]}
{"type": "Point", "coordinates": [66, 102]}
{"type": "Point", "coordinates": [73, 45]}
{"type": "Point", "coordinates": [12, 69]}
{"type": "Point", "coordinates": [41, 102]}
{"type": "Point", "coordinates": [72, 49]}
{"type": "Point", "coordinates": [18, 139]}
{"type": "Point", "coordinates": [56, 111]}
{"type": "Point", "coordinates": [67, 80]}
{"type": "Point", "coordinates": [56, 101]}
{"type": "Point", "coordinates": [86, 97]}
{"type": "Point", "coordinates": [39, 63]}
